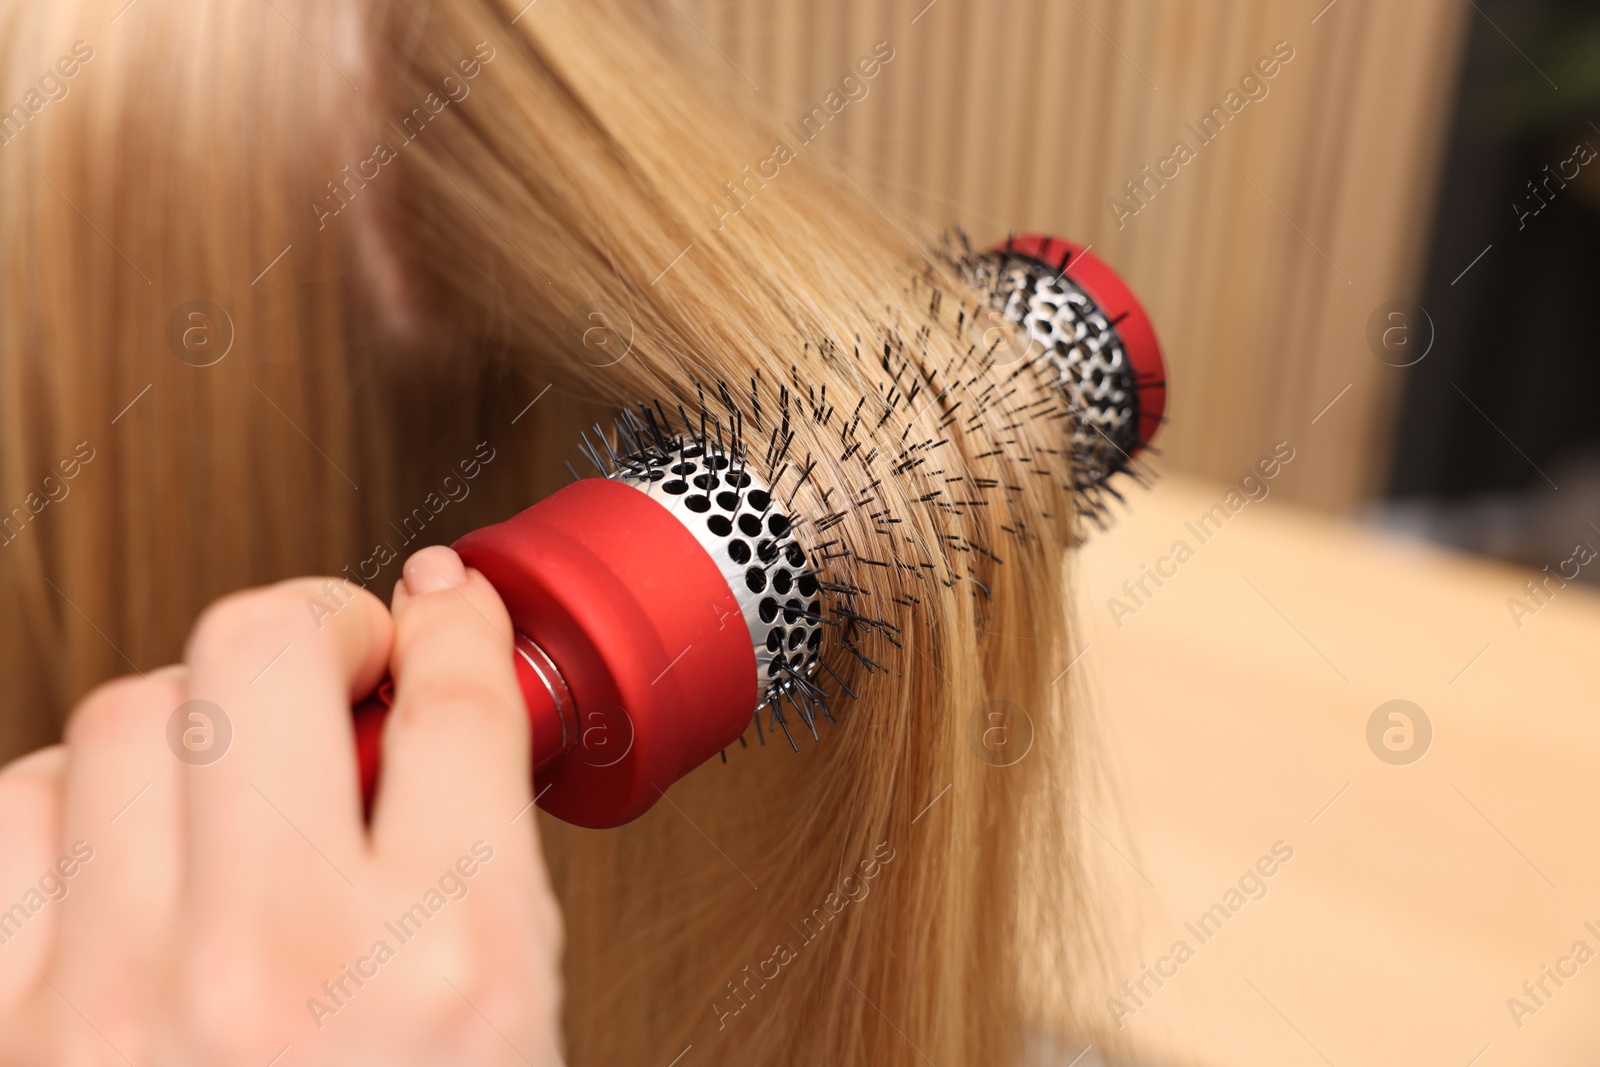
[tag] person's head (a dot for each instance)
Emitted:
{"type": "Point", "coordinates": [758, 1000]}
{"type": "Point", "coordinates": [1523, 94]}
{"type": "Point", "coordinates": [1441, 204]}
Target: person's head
{"type": "Point", "coordinates": [291, 271]}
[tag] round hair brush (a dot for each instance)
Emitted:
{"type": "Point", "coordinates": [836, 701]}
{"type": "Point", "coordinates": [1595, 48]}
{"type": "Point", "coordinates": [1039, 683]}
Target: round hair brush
{"type": "Point", "coordinates": [658, 607]}
{"type": "Point", "coordinates": [655, 609]}
{"type": "Point", "coordinates": [1075, 313]}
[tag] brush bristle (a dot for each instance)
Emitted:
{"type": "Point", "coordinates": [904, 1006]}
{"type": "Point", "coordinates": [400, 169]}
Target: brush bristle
{"type": "Point", "coordinates": [1062, 326]}
{"type": "Point", "coordinates": [956, 436]}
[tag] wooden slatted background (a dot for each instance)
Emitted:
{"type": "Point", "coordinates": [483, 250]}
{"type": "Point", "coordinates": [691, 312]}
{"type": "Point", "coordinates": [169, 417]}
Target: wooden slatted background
{"type": "Point", "coordinates": [1260, 262]}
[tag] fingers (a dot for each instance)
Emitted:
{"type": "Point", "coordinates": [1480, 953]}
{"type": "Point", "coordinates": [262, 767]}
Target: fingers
{"type": "Point", "coordinates": [456, 763]}
{"type": "Point", "coordinates": [272, 675]}
{"type": "Point", "coordinates": [117, 874]}
{"type": "Point", "coordinates": [30, 836]}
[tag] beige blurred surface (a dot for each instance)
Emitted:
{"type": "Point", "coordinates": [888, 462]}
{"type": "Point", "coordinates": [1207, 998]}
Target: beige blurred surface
{"type": "Point", "coordinates": [1233, 709]}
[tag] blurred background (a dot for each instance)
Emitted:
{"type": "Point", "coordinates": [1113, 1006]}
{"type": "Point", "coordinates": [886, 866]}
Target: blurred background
{"type": "Point", "coordinates": [1365, 232]}
{"type": "Point", "coordinates": [1393, 150]}
{"type": "Point", "coordinates": [1260, 262]}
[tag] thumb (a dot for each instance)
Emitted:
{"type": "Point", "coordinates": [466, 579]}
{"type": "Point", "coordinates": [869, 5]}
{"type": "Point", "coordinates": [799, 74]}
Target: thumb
{"type": "Point", "coordinates": [456, 753]}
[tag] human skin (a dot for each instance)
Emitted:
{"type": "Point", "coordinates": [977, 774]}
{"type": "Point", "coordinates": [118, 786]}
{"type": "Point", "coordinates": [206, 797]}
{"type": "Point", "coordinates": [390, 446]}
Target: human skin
{"type": "Point", "coordinates": [219, 898]}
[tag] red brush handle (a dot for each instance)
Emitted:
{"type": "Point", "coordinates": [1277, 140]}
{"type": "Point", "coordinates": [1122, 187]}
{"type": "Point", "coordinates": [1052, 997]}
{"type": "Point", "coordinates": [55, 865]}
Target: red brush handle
{"type": "Point", "coordinates": [632, 672]}
{"type": "Point", "coordinates": [552, 718]}
{"type": "Point", "coordinates": [1117, 302]}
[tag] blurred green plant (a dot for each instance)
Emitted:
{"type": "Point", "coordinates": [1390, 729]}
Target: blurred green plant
{"type": "Point", "coordinates": [1553, 84]}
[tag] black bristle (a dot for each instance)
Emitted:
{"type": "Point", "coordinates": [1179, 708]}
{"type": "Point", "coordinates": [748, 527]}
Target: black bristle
{"type": "Point", "coordinates": [918, 497]}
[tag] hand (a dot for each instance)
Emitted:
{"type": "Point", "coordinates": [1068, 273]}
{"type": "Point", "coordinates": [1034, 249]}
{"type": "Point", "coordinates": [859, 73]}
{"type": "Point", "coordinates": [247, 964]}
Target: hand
{"type": "Point", "coordinates": [188, 879]}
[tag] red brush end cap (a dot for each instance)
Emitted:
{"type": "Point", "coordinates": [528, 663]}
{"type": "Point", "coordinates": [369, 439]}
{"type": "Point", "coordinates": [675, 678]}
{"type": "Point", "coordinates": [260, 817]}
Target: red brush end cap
{"type": "Point", "coordinates": [644, 630]}
{"type": "Point", "coordinates": [1107, 289]}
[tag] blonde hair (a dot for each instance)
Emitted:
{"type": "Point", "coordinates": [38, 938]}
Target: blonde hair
{"type": "Point", "coordinates": [389, 313]}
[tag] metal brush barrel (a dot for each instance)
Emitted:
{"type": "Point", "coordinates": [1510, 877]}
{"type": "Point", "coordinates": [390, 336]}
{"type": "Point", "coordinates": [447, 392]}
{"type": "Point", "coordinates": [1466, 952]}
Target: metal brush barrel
{"type": "Point", "coordinates": [750, 537]}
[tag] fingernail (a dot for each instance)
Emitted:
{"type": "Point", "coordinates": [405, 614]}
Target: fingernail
{"type": "Point", "coordinates": [433, 569]}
